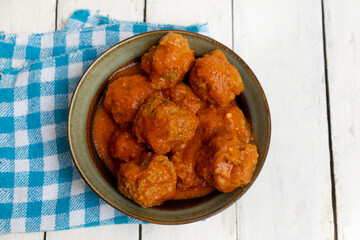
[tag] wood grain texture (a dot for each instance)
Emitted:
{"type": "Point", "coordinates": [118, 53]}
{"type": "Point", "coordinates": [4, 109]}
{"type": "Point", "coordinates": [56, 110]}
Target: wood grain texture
{"type": "Point", "coordinates": [22, 236]}
{"type": "Point", "coordinates": [342, 26]}
{"type": "Point", "coordinates": [220, 226]}
{"type": "Point", "coordinates": [218, 16]}
{"type": "Point", "coordinates": [126, 231]}
{"type": "Point", "coordinates": [35, 16]}
{"type": "Point", "coordinates": [127, 10]}
{"type": "Point", "coordinates": [283, 44]}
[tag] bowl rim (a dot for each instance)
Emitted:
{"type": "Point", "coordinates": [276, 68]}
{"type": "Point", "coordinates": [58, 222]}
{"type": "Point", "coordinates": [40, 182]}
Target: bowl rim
{"type": "Point", "coordinates": [222, 47]}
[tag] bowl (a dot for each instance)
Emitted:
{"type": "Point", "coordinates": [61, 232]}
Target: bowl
{"type": "Point", "coordinates": [252, 101]}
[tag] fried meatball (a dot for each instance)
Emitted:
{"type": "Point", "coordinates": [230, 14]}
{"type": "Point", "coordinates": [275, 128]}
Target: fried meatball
{"type": "Point", "coordinates": [214, 79]}
{"type": "Point", "coordinates": [124, 146]}
{"type": "Point", "coordinates": [183, 96]}
{"type": "Point", "coordinates": [162, 125]}
{"type": "Point", "coordinates": [226, 163]}
{"type": "Point", "coordinates": [149, 182]}
{"type": "Point", "coordinates": [230, 119]}
{"type": "Point", "coordinates": [125, 95]}
{"type": "Point", "coordinates": [168, 62]}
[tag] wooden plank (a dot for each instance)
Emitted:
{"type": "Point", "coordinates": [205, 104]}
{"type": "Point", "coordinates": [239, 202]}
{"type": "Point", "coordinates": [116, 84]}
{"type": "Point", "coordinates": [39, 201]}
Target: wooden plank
{"type": "Point", "coordinates": [343, 62]}
{"type": "Point", "coordinates": [119, 9]}
{"type": "Point", "coordinates": [125, 231]}
{"type": "Point", "coordinates": [17, 16]}
{"type": "Point", "coordinates": [282, 42]}
{"type": "Point", "coordinates": [220, 226]}
{"type": "Point", "coordinates": [219, 18]}
{"type": "Point", "coordinates": [218, 14]}
{"type": "Point", "coordinates": [23, 236]}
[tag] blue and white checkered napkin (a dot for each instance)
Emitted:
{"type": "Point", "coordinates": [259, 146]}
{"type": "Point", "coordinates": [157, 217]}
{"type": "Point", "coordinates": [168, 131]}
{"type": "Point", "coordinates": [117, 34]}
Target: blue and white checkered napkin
{"type": "Point", "coordinates": [40, 188]}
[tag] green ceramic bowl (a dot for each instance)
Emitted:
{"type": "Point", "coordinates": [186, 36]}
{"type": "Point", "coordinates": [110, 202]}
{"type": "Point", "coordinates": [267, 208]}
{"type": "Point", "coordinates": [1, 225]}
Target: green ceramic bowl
{"type": "Point", "coordinates": [252, 101]}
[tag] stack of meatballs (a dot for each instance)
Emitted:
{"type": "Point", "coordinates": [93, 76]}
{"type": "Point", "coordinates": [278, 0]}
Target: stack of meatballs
{"type": "Point", "coordinates": [176, 137]}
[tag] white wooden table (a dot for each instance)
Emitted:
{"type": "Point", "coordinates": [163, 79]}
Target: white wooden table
{"type": "Point", "coordinates": [306, 54]}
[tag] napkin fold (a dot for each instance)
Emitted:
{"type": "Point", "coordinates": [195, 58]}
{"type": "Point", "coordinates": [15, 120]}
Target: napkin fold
{"type": "Point", "coordinates": [40, 188]}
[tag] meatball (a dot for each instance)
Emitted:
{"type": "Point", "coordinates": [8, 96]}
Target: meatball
{"type": "Point", "coordinates": [183, 96]}
{"type": "Point", "coordinates": [162, 125]}
{"type": "Point", "coordinates": [150, 182]}
{"type": "Point", "coordinates": [226, 163]}
{"type": "Point", "coordinates": [230, 119]}
{"type": "Point", "coordinates": [168, 62]}
{"type": "Point", "coordinates": [125, 95]}
{"type": "Point", "coordinates": [184, 159]}
{"type": "Point", "coordinates": [212, 121]}
{"type": "Point", "coordinates": [124, 146]}
{"type": "Point", "coordinates": [214, 79]}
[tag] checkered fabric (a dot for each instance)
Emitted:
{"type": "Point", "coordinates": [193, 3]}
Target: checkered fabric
{"type": "Point", "coordinates": [40, 188]}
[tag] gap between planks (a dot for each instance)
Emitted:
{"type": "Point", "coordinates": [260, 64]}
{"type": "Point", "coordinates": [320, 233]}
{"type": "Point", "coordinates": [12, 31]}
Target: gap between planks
{"type": "Point", "coordinates": [232, 24]}
{"type": "Point", "coordinates": [56, 14]}
{"type": "Point", "coordinates": [332, 170]}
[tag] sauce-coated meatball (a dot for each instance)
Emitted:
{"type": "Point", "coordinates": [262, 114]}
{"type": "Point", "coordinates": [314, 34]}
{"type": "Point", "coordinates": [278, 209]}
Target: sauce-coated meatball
{"type": "Point", "coordinates": [226, 163]}
{"type": "Point", "coordinates": [124, 146]}
{"type": "Point", "coordinates": [162, 125]}
{"type": "Point", "coordinates": [125, 95]}
{"type": "Point", "coordinates": [213, 121]}
{"type": "Point", "coordinates": [230, 119]}
{"type": "Point", "coordinates": [214, 79]}
{"type": "Point", "coordinates": [183, 96]}
{"type": "Point", "coordinates": [150, 182]}
{"type": "Point", "coordinates": [168, 62]}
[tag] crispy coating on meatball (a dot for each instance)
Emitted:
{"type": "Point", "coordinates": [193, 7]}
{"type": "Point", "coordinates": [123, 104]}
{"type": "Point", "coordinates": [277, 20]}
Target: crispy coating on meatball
{"type": "Point", "coordinates": [168, 62]}
{"type": "Point", "coordinates": [124, 146]}
{"type": "Point", "coordinates": [150, 182]}
{"type": "Point", "coordinates": [162, 125]}
{"type": "Point", "coordinates": [214, 79]}
{"type": "Point", "coordinates": [227, 163]}
{"type": "Point", "coordinates": [125, 95]}
{"type": "Point", "coordinates": [183, 96]}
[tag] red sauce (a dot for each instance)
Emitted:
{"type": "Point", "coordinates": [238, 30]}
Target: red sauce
{"type": "Point", "coordinates": [103, 127]}
{"type": "Point", "coordinates": [165, 140]}
{"type": "Point", "coordinates": [129, 69]}
{"type": "Point", "coordinates": [193, 192]}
